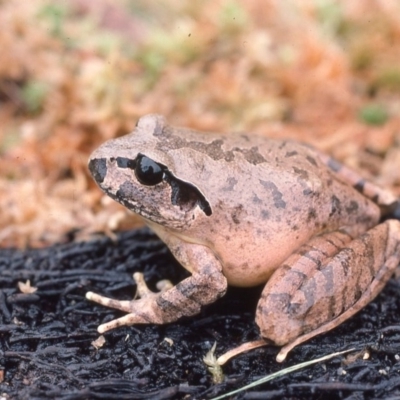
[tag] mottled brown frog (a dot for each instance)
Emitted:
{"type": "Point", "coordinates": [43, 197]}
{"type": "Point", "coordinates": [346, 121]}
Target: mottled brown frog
{"type": "Point", "coordinates": [245, 210]}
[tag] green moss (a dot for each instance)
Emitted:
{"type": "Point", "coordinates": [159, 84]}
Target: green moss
{"type": "Point", "coordinates": [177, 47]}
{"type": "Point", "coordinates": [152, 61]}
{"type": "Point", "coordinates": [233, 17]}
{"type": "Point", "coordinates": [34, 94]}
{"type": "Point", "coordinates": [330, 15]}
{"type": "Point", "coordinates": [55, 14]}
{"type": "Point", "coordinates": [11, 139]}
{"type": "Point", "coordinates": [373, 114]}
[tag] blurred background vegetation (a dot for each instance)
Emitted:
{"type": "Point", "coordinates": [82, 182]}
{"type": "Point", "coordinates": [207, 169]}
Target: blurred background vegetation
{"type": "Point", "coordinates": [73, 74]}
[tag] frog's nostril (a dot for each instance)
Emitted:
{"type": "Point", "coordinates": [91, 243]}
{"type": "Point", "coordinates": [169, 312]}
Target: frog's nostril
{"type": "Point", "coordinates": [98, 169]}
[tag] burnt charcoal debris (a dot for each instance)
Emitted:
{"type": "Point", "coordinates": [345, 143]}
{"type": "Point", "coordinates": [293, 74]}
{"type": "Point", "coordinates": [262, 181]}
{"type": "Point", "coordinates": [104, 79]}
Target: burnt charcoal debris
{"type": "Point", "coordinates": [46, 336]}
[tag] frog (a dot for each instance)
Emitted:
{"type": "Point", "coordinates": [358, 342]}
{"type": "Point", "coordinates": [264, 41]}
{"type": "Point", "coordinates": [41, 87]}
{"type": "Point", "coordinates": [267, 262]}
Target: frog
{"type": "Point", "coordinates": [245, 210]}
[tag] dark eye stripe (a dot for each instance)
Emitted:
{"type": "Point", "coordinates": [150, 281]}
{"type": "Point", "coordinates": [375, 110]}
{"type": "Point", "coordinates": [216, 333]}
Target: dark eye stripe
{"type": "Point", "coordinates": [150, 173]}
{"type": "Point", "coordinates": [124, 162]}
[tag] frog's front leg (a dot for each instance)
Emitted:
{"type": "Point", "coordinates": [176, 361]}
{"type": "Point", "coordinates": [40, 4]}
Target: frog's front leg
{"type": "Point", "coordinates": [204, 286]}
{"type": "Point", "coordinates": [325, 282]}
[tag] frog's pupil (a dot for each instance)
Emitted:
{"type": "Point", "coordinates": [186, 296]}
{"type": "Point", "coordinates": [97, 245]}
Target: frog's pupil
{"type": "Point", "coordinates": [148, 172]}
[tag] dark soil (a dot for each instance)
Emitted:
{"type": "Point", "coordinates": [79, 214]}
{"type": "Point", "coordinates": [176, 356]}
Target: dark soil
{"type": "Point", "coordinates": [46, 350]}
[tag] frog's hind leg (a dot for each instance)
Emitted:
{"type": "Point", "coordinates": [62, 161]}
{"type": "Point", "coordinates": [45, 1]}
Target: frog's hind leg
{"type": "Point", "coordinates": [386, 200]}
{"type": "Point", "coordinates": [325, 283]}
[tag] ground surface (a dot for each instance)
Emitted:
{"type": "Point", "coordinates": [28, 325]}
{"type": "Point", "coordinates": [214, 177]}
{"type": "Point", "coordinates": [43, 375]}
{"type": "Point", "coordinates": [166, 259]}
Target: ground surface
{"type": "Point", "coordinates": [46, 350]}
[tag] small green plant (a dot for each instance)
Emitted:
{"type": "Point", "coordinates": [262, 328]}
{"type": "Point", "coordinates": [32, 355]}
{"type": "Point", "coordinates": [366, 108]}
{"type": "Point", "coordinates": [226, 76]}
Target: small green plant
{"type": "Point", "coordinates": [34, 94]}
{"type": "Point", "coordinates": [373, 114]}
{"type": "Point", "coordinates": [233, 17]}
{"type": "Point", "coordinates": [55, 14]}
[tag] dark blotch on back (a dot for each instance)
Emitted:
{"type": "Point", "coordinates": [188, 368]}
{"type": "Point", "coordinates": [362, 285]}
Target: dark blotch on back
{"type": "Point", "coordinates": [276, 194]}
{"type": "Point", "coordinates": [312, 161]}
{"type": "Point", "coordinates": [264, 214]}
{"type": "Point", "coordinates": [256, 199]}
{"type": "Point", "coordinates": [251, 155]}
{"type": "Point", "coordinates": [335, 205]}
{"type": "Point", "coordinates": [312, 214]}
{"type": "Point", "coordinates": [301, 172]}
{"type": "Point", "coordinates": [174, 142]}
{"type": "Point", "coordinates": [291, 153]}
{"type": "Point", "coordinates": [231, 182]}
{"type": "Point", "coordinates": [352, 207]}
{"type": "Point", "coordinates": [213, 149]}
{"type": "Point", "coordinates": [282, 145]}
{"type": "Point", "coordinates": [236, 214]}
{"type": "Point", "coordinates": [334, 165]}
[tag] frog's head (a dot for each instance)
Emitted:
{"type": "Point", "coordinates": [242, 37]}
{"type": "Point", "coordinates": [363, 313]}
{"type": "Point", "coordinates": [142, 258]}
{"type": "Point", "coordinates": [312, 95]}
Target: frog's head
{"type": "Point", "coordinates": [137, 172]}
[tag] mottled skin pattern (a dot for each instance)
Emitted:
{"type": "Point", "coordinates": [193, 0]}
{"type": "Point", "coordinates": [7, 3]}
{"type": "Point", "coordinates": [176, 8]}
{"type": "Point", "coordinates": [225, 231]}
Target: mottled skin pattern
{"type": "Point", "coordinates": [245, 210]}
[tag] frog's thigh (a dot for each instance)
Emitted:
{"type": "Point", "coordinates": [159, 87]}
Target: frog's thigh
{"type": "Point", "coordinates": [326, 282]}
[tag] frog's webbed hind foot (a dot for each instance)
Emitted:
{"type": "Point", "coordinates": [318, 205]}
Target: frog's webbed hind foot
{"type": "Point", "coordinates": [325, 282]}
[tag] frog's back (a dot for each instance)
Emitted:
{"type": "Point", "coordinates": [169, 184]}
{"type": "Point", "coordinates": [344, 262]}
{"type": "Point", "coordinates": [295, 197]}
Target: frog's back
{"type": "Point", "coordinates": [272, 207]}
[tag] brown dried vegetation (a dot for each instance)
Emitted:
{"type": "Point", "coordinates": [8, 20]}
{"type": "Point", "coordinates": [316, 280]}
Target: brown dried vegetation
{"type": "Point", "coordinates": [73, 75]}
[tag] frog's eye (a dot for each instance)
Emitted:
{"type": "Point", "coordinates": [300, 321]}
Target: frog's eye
{"type": "Point", "coordinates": [147, 171]}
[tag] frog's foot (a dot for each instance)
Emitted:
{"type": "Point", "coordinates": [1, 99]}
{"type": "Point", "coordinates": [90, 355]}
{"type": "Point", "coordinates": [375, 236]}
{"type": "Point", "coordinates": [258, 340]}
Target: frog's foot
{"type": "Point", "coordinates": [206, 284]}
{"type": "Point", "coordinates": [243, 348]}
{"type": "Point", "coordinates": [325, 282]}
{"type": "Point", "coordinates": [142, 291]}
{"type": "Point", "coordinates": [141, 309]}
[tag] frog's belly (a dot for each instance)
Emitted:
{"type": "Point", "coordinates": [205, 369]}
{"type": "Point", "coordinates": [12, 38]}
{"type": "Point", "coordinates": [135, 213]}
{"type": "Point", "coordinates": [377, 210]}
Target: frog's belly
{"type": "Point", "coordinates": [257, 263]}
{"type": "Point", "coordinates": [246, 276]}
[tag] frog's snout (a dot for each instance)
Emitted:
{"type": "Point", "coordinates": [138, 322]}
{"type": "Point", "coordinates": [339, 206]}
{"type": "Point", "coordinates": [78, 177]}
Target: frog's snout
{"type": "Point", "coordinates": [98, 169]}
